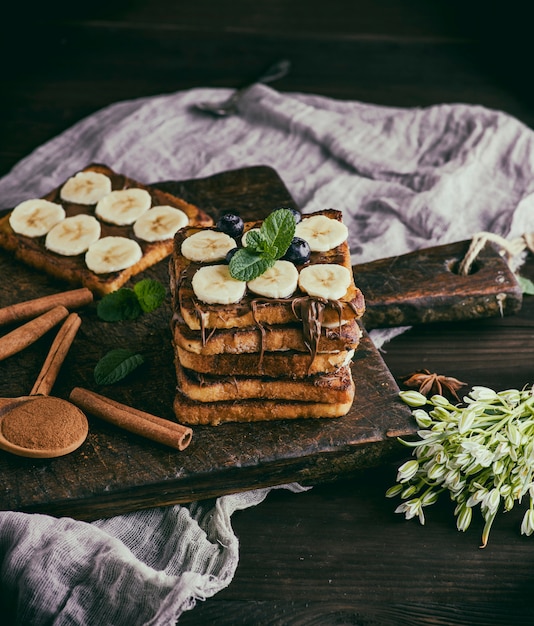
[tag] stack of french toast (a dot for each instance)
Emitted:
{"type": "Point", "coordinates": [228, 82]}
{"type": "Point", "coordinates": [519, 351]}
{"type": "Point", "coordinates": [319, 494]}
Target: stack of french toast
{"type": "Point", "coordinates": [270, 342]}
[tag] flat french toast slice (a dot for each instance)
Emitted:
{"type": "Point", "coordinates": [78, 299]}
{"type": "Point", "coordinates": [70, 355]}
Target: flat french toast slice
{"type": "Point", "coordinates": [252, 310]}
{"type": "Point", "coordinates": [193, 413]}
{"type": "Point", "coordinates": [264, 339]}
{"type": "Point", "coordinates": [72, 268]}
{"type": "Point", "coordinates": [286, 363]}
{"type": "Point", "coordinates": [337, 387]}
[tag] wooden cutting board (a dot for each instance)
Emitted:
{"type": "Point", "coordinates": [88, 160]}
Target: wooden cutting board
{"type": "Point", "coordinates": [116, 472]}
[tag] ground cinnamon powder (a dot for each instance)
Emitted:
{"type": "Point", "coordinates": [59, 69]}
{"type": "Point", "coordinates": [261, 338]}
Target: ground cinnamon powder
{"type": "Point", "coordinates": [44, 423]}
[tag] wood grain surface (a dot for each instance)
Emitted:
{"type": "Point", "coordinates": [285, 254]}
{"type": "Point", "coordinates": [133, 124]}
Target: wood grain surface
{"type": "Point", "coordinates": [426, 286]}
{"type": "Point", "coordinates": [97, 479]}
{"type": "Point", "coordinates": [337, 554]}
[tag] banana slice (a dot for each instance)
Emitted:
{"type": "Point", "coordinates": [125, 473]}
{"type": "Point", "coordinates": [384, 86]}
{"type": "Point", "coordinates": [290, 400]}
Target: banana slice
{"type": "Point", "coordinates": [123, 206]}
{"type": "Point", "coordinates": [325, 280]}
{"type": "Point", "coordinates": [207, 246]}
{"type": "Point", "coordinates": [279, 281]}
{"type": "Point", "coordinates": [321, 232]}
{"type": "Point", "coordinates": [161, 222]}
{"type": "Point", "coordinates": [213, 285]}
{"type": "Point", "coordinates": [112, 254]}
{"type": "Point", "coordinates": [86, 188]}
{"type": "Point", "coordinates": [73, 235]}
{"type": "Point", "coordinates": [34, 218]}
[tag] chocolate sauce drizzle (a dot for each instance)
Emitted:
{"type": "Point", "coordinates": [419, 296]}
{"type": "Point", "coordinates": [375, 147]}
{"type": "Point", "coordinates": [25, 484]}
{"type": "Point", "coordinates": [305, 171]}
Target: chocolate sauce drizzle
{"type": "Point", "coordinates": [201, 318]}
{"type": "Point", "coordinates": [306, 309]}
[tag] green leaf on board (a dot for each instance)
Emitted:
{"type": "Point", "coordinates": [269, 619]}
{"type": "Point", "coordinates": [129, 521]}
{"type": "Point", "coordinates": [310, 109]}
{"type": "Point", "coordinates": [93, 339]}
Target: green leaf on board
{"type": "Point", "coordinates": [116, 365]}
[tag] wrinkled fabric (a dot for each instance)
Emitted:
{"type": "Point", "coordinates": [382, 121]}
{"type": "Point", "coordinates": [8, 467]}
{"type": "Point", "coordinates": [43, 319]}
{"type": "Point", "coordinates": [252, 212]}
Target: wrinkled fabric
{"type": "Point", "coordinates": [144, 568]}
{"type": "Point", "coordinates": [403, 178]}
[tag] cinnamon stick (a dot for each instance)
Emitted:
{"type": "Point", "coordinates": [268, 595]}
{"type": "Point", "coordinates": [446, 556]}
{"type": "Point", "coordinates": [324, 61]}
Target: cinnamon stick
{"type": "Point", "coordinates": [155, 428]}
{"type": "Point", "coordinates": [21, 311]}
{"type": "Point", "coordinates": [56, 355]}
{"type": "Point", "coordinates": [25, 335]}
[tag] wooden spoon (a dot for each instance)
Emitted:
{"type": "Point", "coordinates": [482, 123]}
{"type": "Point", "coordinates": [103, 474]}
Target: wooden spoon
{"type": "Point", "coordinates": [39, 425]}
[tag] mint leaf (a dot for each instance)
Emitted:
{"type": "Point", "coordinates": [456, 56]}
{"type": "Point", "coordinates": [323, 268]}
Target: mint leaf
{"type": "Point", "coordinates": [128, 304]}
{"type": "Point", "coordinates": [150, 294]}
{"type": "Point", "coordinates": [247, 264]}
{"type": "Point", "coordinates": [527, 286]}
{"type": "Point", "coordinates": [254, 240]}
{"type": "Point", "coordinates": [116, 365]}
{"type": "Point", "coordinates": [119, 305]}
{"type": "Point", "coordinates": [264, 247]}
{"type": "Point", "coordinates": [278, 230]}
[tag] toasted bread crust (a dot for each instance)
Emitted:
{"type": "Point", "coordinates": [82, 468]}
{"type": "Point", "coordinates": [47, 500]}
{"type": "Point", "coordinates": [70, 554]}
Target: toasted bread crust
{"type": "Point", "coordinates": [337, 387]}
{"type": "Point", "coordinates": [272, 364]}
{"type": "Point", "coordinates": [270, 339]}
{"type": "Point", "coordinates": [214, 413]}
{"type": "Point", "coordinates": [32, 251]}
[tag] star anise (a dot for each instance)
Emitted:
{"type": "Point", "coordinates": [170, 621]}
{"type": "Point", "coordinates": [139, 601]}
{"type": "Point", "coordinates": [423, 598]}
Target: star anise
{"type": "Point", "coordinates": [429, 384]}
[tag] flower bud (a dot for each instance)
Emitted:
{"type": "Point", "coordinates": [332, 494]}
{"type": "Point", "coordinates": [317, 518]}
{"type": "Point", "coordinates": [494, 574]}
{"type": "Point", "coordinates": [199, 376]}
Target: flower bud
{"type": "Point", "coordinates": [441, 457]}
{"type": "Point", "coordinates": [407, 471]}
{"type": "Point", "coordinates": [429, 498]}
{"type": "Point", "coordinates": [409, 492]}
{"type": "Point", "coordinates": [436, 471]}
{"type": "Point", "coordinates": [497, 467]}
{"type": "Point", "coordinates": [394, 491]}
{"type": "Point", "coordinates": [440, 413]}
{"type": "Point", "coordinates": [527, 526]}
{"type": "Point", "coordinates": [466, 421]}
{"type": "Point", "coordinates": [492, 500]}
{"type": "Point", "coordinates": [452, 478]}
{"type": "Point", "coordinates": [413, 398]}
{"type": "Point", "coordinates": [505, 490]}
{"type": "Point", "coordinates": [438, 400]}
{"type": "Point", "coordinates": [508, 503]}
{"type": "Point", "coordinates": [483, 393]}
{"type": "Point", "coordinates": [464, 518]}
{"type": "Point", "coordinates": [477, 497]}
{"type": "Point", "coordinates": [422, 418]}
{"type": "Point", "coordinates": [513, 433]}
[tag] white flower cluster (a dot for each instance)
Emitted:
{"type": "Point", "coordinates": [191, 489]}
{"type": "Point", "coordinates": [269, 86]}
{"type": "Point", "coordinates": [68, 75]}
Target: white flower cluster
{"type": "Point", "coordinates": [482, 453]}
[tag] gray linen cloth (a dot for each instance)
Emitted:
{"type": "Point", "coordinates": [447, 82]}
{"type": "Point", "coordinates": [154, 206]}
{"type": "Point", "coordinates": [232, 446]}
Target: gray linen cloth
{"type": "Point", "coordinates": [404, 179]}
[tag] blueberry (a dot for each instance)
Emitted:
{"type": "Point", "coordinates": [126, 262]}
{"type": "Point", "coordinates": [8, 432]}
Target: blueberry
{"type": "Point", "coordinates": [298, 251]}
{"type": "Point", "coordinates": [230, 254]}
{"type": "Point", "coordinates": [231, 224]}
{"type": "Point", "coordinates": [296, 214]}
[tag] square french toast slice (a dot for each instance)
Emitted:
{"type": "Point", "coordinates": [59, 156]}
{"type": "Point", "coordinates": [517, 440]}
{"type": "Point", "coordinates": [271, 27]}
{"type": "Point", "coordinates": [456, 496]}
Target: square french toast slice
{"type": "Point", "coordinates": [97, 229]}
{"type": "Point", "coordinates": [286, 363]}
{"type": "Point", "coordinates": [337, 387]}
{"type": "Point", "coordinates": [253, 310]}
{"type": "Point", "coordinates": [193, 412]}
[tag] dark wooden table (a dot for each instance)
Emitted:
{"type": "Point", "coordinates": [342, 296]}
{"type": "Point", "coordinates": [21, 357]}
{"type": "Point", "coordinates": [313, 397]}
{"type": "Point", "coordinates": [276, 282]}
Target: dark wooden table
{"type": "Point", "coordinates": [337, 554]}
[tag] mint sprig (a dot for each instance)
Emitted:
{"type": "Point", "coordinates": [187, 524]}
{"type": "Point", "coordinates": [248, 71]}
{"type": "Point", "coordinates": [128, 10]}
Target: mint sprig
{"type": "Point", "coordinates": [150, 294]}
{"type": "Point", "coordinates": [116, 365]}
{"type": "Point", "coordinates": [119, 305]}
{"type": "Point", "coordinates": [128, 304]}
{"type": "Point", "coordinates": [264, 247]}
